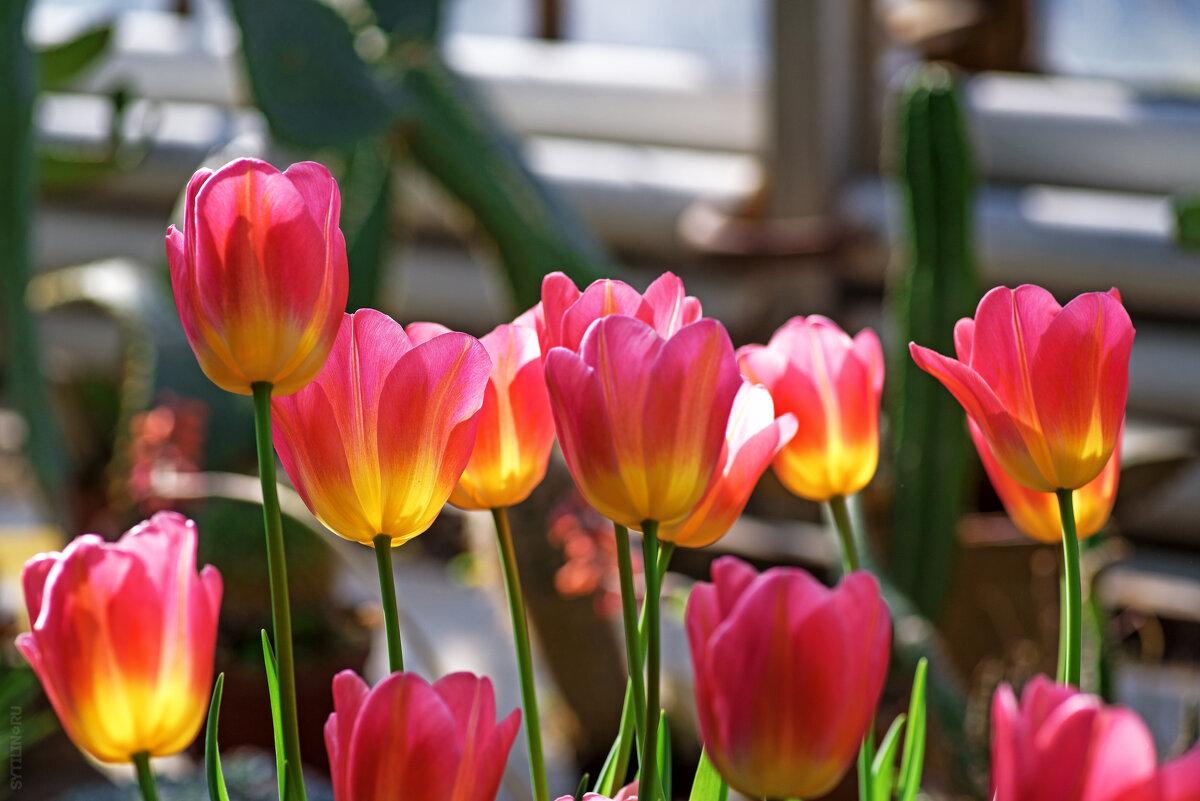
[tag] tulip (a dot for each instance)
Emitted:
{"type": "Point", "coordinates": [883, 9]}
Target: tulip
{"type": "Point", "coordinates": [1059, 744]}
{"type": "Point", "coordinates": [832, 384]}
{"type": "Point", "coordinates": [408, 740]}
{"type": "Point", "coordinates": [376, 443]}
{"type": "Point", "coordinates": [122, 638]}
{"type": "Point", "coordinates": [627, 793]}
{"type": "Point", "coordinates": [259, 273]}
{"type": "Point", "coordinates": [516, 427]}
{"type": "Point", "coordinates": [563, 316]}
{"type": "Point", "coordinates": [1037, 513]}
{"type": "Point", "coordinates": [1045, 384]}
{"type": "Point", "coordinates": [753, 437]}
{"type": "Point", "coordinates": [788, 675]}
{"type": "Point", "coordinates": [641, 419]}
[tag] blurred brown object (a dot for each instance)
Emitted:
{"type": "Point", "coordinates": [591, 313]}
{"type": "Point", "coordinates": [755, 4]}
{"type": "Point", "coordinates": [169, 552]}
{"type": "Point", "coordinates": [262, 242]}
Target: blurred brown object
{"type": "Point", "coordinates": [973, 34]}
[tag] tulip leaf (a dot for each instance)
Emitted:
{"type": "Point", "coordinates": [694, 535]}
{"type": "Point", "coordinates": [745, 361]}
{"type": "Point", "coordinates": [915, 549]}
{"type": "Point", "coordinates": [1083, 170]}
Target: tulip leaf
{"type": "Point", "coordinates": [59, 64]}
{"type": "Point", "coordinates": [708, 784]}
{"type": "Point", "coordinates": [408, 19]}
{"type": "Point", "coordinates": [883, 768]}
{"type": "Point", "coordinates": [606, 781]}
{"type": "Point", "coordinates": [581, 788]}
{"type": "Point", "coordinates": [307, 77]}
{"type": "Point", "coordinates": [276, 714]}
{"type": "Point", "coordinates": [212, 756]}
{"type": "Point", "coordinates": [913, 759]}
{"type": "Point", "coordinates": [663, 755]}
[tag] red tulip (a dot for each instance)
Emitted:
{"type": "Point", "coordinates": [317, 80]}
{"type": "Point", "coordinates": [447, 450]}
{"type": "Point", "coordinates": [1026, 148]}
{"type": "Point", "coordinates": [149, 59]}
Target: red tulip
{"type": "Point", "coordinates": [788, 675]}
{"type": "Point", "coordinates": [832, 383]}
{"type": "Point", "coordinates": [1037, 513]}
{"type": "Point", "coordinates": [565, 313]}
{"type": "Point", "coordinates": [377, 442]}
{"type": "Point", "coordinates": [641, 419]}
{"type": "Point", "coordinates": [1045, 384]}
{"type": "Point", "coordinates": [407, 740]}
{"type": "Point", "coordinates": [259, 273]}
{"type": "Point", "coordinates": [516, 428]}
{"type": "Point", "coordinates": [753, 436]}
{"type": "Point", "coordinates": [123, 636]}
{"type": "Point", "coordinates": [1060, 744]}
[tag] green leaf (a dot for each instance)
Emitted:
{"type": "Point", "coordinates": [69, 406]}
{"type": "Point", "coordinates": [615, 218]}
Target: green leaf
{"type": "Point", "coordinates": [1187, 220]}
{"type": "Point", "coordinates": [581, 788]}
{"type": "Point", "coordinates": [883, 768]}
{"type": "Point", "coordinates": [366, 208]}
{"type": "Point", "coordinates": [606, 781]}
{"type": "Point", "coordinates": [663, 754]}
{"type": "Point", "coordinates": [60, 64]}
{"type": "Point", "coordinates": [276, 714]}
{"type": "Point", "coordinates": [416, 20]}
{"type": "Point", "coordinates": [212, 756]}
{"type": "Point", "coordinates": [309, 82]}
{"type": "Point", "coordinates": [913, 759]}
{"type": "Point", "coordinates": [708, 785]}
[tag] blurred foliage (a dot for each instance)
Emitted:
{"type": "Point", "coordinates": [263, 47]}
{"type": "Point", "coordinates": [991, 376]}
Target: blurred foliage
{"type": "Point", "coordinates": [936, 286]}
{"type": "Point", "coordinates": [60, 64]}
{"type": "Point", "coordinates": [1186, 207]}
{"type": "Point", "coordinates": [24, 382]}
{"type": "Point", "coordinates": [325, 80]}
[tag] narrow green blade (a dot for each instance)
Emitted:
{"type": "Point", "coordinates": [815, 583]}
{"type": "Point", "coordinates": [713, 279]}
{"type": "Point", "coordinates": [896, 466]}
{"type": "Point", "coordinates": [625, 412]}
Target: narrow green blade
{"type": "Point", "coordinates": [212, 756]}
{"type": "Point", "coordinates": [883, 768]}
{"type": "Point", "coordinates": [276, 714]}
{"type": "Point", "coordinates": [913, 759]}
{"type": "Point", "coordinates": [708, 786]}
{"type": "Point", "coordinates": [663, 754]}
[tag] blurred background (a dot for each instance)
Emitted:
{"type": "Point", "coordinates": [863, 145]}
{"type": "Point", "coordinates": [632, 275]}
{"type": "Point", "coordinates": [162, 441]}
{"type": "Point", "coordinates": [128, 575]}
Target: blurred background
{"type": "Point", "coordinates": [882, 162]}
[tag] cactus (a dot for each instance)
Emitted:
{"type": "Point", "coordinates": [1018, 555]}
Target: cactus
{"type": "Point", "coordinates": [936, 287]}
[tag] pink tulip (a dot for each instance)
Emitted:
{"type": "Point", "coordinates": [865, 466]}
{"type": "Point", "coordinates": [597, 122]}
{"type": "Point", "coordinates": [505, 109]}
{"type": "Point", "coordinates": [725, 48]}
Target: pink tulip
{"type": "Point", "coordinates": [376, 444]}
{"type": "Point", "coordinates": [1045, 384]}
{"type": "Point", "coordinates": [832, 384]}
{"type": "Point", "coordinates": [788, 675]}
{"type": "Point", "coordinates": [641, 419]}
{"type": "Point", "coordinates": [407, 740]}
{"type": "Point", "coordinates": [753, 437]}
{"type": "Point", "coordinates": [626, 793]}
{"type": "Point", "coordinates": [1060, 744]}
{"type": "Point", "coordinates": [516, 427]}
{"type": "Point", "coordinates": [1037, 513]}
{"type": "Point", "coordinates": [565, 313]}
{"type": "Point", "coordinates": [259, 273]}
{"type": "Point", "coordinates": [123, 637]}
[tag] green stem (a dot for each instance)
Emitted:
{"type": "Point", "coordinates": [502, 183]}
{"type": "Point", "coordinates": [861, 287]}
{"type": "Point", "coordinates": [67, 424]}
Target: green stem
{"type": "Point", "coordinates": [277, 572]}
{"type": "Point", "coordinates": [648, 784]}
{"type": "Point", "coordinates": [516, 605]}
{"type": "Point", "coordinates": [840, 512]}
{"type": "Point", "coordinates": [387, 593]}
{"type": "Point", "coordinates": [1069, 656]}
{"type": "Point", "coordinates": [145, 776]}
{"type": "Point", "coordinates": [841, 521]}
{"type": "Point", "coordinates": [625, 738]}
{"type": "Point", "coordinates": [633, 649]}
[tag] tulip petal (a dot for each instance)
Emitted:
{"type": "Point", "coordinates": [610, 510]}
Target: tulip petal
{"type": "Point", "coordinates": [558, 294]}
{"type": "Point", "coordinates": [1001, 430]}
{"type": "Point", "coordinates": [423, 332]}
{"type": "Point", "coordinates": [602, 299]}
{"type": "Point", "coordinates": [695, 379]}
{"type": "Point", "coordinates": [585, 434]}
{"type": "Point", "coordinates": [1080, 381]}
{"type": "Point", "coordinates": [403, 746]}
{"type": "Point", "coordinates": [1179, 779]}
{"type": "Point", "coordinates": [673, 309]}
{"type": "Point", "coordinates": [483, 743]}
{"type": "Point", "coordinates": [349, 694]}
{"type": "Point", "coordinates": [441, 384]}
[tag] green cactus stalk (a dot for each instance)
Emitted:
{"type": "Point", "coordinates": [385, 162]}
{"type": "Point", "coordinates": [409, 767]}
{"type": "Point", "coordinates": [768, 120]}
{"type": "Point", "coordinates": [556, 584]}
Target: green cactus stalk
{"type": "Point", "coordinates": [936, 287]}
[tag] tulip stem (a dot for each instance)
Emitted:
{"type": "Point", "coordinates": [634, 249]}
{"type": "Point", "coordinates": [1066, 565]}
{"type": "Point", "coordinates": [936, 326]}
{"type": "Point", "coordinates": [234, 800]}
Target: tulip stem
{"type": "Point", "coordinates": [145, 776]}
{"type": "Point", "coordinates": [625, 736]}
{"type": "Point", "coordinates": [387, 594]}
{"type": "Point", "coordinates": [1070, 646]}
{"type": "Point", "coordinates": [516, 605]}
{"type": "Point", "coordinates": [277, 571]}
{"type": "Point", "coordinates": [633, 648]}
{"type": "Point", "coordinates": [840, 511]}
{"type": "Point", "coordinates": [841, 522]}
{"type": "Point", "coordinates": [648, 784]}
